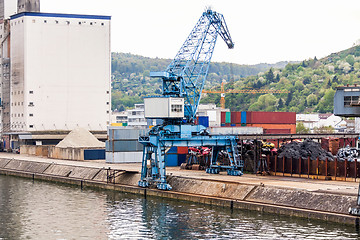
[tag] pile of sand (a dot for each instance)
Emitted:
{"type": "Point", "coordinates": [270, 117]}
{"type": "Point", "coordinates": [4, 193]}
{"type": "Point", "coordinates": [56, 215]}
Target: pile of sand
{"type": "Point", "coordinates": [80, 138]}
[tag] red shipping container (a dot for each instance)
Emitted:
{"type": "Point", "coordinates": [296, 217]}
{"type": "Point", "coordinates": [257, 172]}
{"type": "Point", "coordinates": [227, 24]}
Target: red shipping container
{"type": "Point", "coordinates": [227, 124]}
{"type": "Point", "coordinates": [248, 117]}
{"type": "Point", "coordinates": [292, 127]}
{"type": "Point", "coordinates": [223, 117]}
{"type": "Point", "coordinates": [182, 150]}
{"type": "Point", "coordinates": [271, 117]}
{"type": "Point", "coordinates": [277, 131]}
{"type": "Point", "coordinates": [235, 117]}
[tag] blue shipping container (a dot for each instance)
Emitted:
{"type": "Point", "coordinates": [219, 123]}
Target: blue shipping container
{"type": "Point", "coordinates": [203, 120]}
{"type": "Point", "coordinates": [243, 117]}
{"type": "Point", "coordinates": [172, 150]}
{"type": "Point", "coordinates": [181, 158]}
{"type": "Point", "coordinates": [171, 160]}
{"type": "Point", "coordinates": [94, 154]}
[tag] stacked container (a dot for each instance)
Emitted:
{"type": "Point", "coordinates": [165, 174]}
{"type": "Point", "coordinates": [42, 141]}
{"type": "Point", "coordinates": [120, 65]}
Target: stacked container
{"type": "Point", "coordinates": [273, 122]}
{"type": "Point", "coordinates": [175, 156]}
{"type": "Point", "coordinates": [225, 119]}
{"type": "Point", "coordinates": [123, 146]}
{"type": "Point", "coordinates": [202, 120]}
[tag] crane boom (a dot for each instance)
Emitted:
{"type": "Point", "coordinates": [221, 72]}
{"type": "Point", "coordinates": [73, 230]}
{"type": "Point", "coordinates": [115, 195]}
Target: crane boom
{"type": "Point", "coordinates": [185, 76]}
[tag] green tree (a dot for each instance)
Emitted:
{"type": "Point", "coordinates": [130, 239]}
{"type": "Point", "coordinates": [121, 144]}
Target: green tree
{"type": "Point", "coordinates": [270, 76]}
{"type": "Point", "coordinates": [326, 102]}
{"type": "Point", "coordinates": [300, 128]}
{"type": "Point", "coordinates": [350, 59]}
{"type": "Point", "coordinates": [277, 78]}
{"type": "Point", "coordinates": [280, 103]}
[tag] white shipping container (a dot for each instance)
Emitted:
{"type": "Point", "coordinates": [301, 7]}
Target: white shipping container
{"type": "Point", "coordinates": [123, 157]}
{"type": "Point", "coordinates": [235, 130]}
{"type": "Point", "coordinates": [164, 107]}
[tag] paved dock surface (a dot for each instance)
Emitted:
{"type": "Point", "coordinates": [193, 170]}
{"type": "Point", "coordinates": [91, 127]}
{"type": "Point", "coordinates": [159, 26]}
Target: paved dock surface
{"type": "Point", "coordinates": [313, 185]}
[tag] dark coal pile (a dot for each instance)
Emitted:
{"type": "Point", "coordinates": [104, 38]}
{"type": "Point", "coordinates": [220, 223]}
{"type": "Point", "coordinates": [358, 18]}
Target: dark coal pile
{"type": "Point", "coordinates": [305, 149]}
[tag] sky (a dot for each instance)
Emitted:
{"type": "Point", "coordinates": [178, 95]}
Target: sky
{"type": "Point", "coordinates": [264, 31]}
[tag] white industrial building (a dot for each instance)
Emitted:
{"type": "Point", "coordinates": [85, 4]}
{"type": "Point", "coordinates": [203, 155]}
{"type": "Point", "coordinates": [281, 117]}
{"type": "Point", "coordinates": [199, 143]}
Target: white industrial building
{"type": "Point", "coordinates": [60, 72]}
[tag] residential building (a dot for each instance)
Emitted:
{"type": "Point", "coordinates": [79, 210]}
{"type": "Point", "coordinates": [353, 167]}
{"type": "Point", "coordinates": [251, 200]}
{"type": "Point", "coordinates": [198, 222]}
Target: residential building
{"type": "Point", "coordinates": [136, 116]}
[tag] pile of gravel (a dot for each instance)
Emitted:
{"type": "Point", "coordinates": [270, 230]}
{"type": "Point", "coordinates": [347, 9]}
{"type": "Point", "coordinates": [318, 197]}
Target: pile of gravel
{"type": "Point", "coordinates": [305, 149]}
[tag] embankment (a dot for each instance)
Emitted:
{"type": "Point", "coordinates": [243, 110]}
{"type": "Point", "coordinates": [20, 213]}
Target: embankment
{"type": "Point", "coordinates": [289, 201]}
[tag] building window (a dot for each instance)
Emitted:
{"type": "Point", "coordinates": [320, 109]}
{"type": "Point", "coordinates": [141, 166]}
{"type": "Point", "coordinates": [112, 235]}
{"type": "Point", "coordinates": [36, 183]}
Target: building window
{"type": "Point", "coordinates": [31, 92]}
{"type": "Point", "coordinates": [56, 21]}
{"type": "Point", "coordinates": [79, 23]}
{"type": "Point", "coordinates": [107, 103]}
{"type": "Point", "coordinates": [31, 104]}
{"type": "Point", "coordinates": [31, 126]}
{"type": "Point", "coordinates": [107, 111]}
{"type": "Point", "coordinates": [90, 23]}
{"type": "Point", "coordinates": [107, 92]}
{"type": "Point", "coordinates": [31, 115]}
{"type": "Point", "coordinates": [45, 21]}
{"type": "Point", "coordinates": [351, 100]}
{"type": "Point", "coordinates": [67, 22]}
{"type": "Point", "coordinates": [176, 108]}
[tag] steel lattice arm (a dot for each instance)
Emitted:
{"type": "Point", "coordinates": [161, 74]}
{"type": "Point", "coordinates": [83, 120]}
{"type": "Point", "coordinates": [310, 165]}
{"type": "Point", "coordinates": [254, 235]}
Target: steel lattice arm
{"type": "Point", "coordinates": [185, 76]}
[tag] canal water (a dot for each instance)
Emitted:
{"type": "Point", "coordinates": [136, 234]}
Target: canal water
{"type": "Point", "coordinates": [44, 210]}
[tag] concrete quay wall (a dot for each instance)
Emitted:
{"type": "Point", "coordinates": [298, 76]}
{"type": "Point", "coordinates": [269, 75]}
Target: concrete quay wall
{"type": "Point", "coordinates": [292, 202]}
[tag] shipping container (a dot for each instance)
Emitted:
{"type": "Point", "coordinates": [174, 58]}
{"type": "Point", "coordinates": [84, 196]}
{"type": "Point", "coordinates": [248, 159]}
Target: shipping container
{"type": "Point", "coordinates": [235, 130]}
{"type": "Point", "coordinates": [171, 160]}
{"type": "Point", "coordinates": [124, 133]}
{"type": "Point", "coordinates": [182, 150]}
{"type": "Point", "coordinates": [271, 117]}
{"type": "Point", "coordinates": [243, 117]}
{"type": "Point", "coordinates": [124, 157]}
{"type": "Point", "coordinates": [235, 117]}
{"type": "Point", "coordinates": [228, 117]}
{"type": "Point", "coordinates": [223, 117]}
{"type": "Point", "coordinates": [222, 125]}
{"type": "Point", "coordinates": [277, 131]}
{"type": "Point", "coordinates": [292, 127]}
{"type": "Point", "coordinates": [181, 158]}
{"type": "Point", "coordinates": [243, 124]}
{"type": "Point", "coordinates": [123, 146]}
{"type": "Point", "coordinates": [172, 150]}
{"type": "Point", "coordinates": [203, 120]}
{"type": "Point", "coordinates": [227, 124]}
{"type": "Point", "coordinates": [94, 154]}
{"type": "Point", "coordinates": [116, 124]}
{"type": "Point", "coordinates": [233, 125]}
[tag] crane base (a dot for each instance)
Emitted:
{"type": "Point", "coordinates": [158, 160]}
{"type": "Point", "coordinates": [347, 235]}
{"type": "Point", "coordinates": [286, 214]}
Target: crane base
{"type": "Point", "coordinates": [143, 184]}
{"type": "Point", "coordinates": [233, 172]}
{"type": "Point", "coordinates": [212, 170]}
{"type": "Point", "coordinates": [164, 186]}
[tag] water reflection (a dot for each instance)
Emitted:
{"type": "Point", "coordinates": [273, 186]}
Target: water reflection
{"type": "Point", "coordinates": [42, 210]}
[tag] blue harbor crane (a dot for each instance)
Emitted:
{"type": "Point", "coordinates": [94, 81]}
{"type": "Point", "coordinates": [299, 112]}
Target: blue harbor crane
{"type": "Point", "coordinates": [182, 84]}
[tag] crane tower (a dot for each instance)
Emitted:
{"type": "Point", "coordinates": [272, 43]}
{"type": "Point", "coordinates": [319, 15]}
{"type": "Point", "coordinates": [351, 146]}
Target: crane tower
{"type": "Point", "coordinates": [182, 85]}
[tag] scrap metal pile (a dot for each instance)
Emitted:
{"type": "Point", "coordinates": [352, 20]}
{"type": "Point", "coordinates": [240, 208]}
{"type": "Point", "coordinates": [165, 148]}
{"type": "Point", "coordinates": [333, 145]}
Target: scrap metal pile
{"type": "Point", "coordinates": [347, 153]}
{"type": "Point", "coordinates": [305, 149]}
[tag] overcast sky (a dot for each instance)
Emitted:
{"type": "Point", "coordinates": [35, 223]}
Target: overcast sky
{"type": "Point", "coordinates": [263, 30]}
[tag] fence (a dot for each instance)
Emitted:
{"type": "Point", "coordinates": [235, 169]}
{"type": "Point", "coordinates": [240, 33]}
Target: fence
{"type": "Point", "coordinates": [334, 169]}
